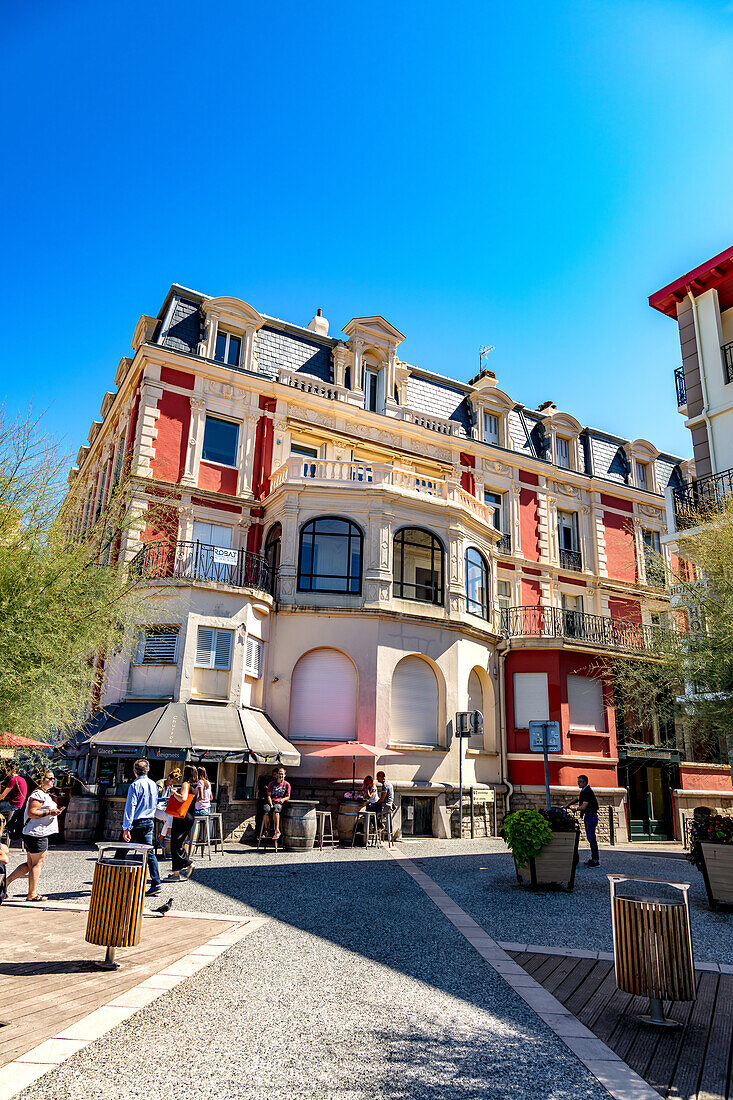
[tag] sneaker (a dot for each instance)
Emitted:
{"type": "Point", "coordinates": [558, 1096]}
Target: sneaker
{"type": "Point", "coordinates": [153, 891]}
{"type": "Point", "coordinates": [187, 871]}
{"type": "Point", "coordinates": [592, 863]}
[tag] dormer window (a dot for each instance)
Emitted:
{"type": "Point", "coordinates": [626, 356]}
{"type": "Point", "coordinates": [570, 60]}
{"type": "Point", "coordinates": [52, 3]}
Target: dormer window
{"type": "Point", "coordinates": [641, 475]}
{"type": "Point", "coordinates": [491, 428]}
{"type": "Point", "coordinates": [373, 388]}
{"type": "Point", "coordinates": [228, 348]}
{"type": "Point", "coordinates": [562, 452]}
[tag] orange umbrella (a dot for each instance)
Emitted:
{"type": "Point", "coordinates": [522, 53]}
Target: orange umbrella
{"type": "Point", "coordinates": [353, 749]}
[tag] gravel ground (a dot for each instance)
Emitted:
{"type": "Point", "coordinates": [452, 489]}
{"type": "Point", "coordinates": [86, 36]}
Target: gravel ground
{"type": "Point", "coordinates": [357, 987]}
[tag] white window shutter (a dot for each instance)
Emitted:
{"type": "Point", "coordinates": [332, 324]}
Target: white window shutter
{"type": "Point", "coordinates": [531, 702]}
{"type": "Point", "coordinates": [585, 703]}
{"type": "Point", "coordinates": [323, 696]}
{"type": "Point", "coordinates": [253, 657]}
{"type": "Point", "coordinates": [223, 649]}
{"type": "Point", "coordinates": [204, 647]}
{"type": "Point", "coordinates": [414, 703]}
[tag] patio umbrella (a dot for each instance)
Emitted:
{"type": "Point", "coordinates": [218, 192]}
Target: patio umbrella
{"type": "Point", "coordinates": [15, 741]}
{"type": "Point", "coordinates": [353, 749]}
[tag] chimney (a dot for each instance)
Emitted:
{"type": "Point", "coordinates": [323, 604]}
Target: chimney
{"type": "Point", "coordinates": [546, 405]}
{"type": "Point", "coordinates": [319, 324]}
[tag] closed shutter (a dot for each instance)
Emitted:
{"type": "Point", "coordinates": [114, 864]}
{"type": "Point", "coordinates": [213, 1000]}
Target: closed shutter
{"type": "Point", "coordinates": [214, 648]}
{"type": "Point", "coordinates": [414, 703]}
{"type": "Point", "coordinates": [159, 647]}
{"type": "Point", "coordinates": [323, 695]}
{"type": "Point", "coordinates": [212, 534]}
{"type": "Point", "coordinates": [530, 699]}
{"type": "Point", "coordinates": [475, 702]}
{"type": "Point", "coordinates": [585, 703]}
{"type": "Point", "coordinates": [253, 657]}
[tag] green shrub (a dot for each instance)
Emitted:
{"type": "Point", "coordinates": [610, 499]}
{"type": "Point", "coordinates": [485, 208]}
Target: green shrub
{"type": "Point", "coordinates": [526, 832]}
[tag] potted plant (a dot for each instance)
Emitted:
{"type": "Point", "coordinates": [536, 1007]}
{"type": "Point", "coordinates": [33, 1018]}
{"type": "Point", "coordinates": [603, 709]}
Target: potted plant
{"type": "Point", "coordinates": [544, 844]}
{"type": "Point", "coordinates": [711, 852]}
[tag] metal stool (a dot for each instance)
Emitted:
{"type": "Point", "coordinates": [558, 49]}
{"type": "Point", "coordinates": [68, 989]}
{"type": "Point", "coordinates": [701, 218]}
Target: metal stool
{"type": "Point", "coordinates": [323, 819]}
{"type": "Point", "coordinates": [216, 836]}
{"type": "Point", "coordinates": [384, 821]}
{"type": "Point", "coordinates": [263, 837]}
{"type": "Point", "coordinates": [196, 839]}
{"type": "Point", "coordinates": [369, 826]}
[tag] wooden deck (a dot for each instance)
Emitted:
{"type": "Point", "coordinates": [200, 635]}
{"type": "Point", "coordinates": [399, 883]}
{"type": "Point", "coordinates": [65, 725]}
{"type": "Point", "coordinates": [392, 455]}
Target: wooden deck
{"type": "Point", "coordinates": [688, 1063]}
{"type": "Point", "coordinates": [47, 977]}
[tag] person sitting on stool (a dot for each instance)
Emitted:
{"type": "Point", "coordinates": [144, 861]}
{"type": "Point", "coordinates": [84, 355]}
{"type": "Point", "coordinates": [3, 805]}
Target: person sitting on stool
{"type": "Point", "coordinates": [140, 807]}
{"type": "Point", "coordinates": [588, 806]}
{"type": "Point", "coordinates": [385, 803]}
{"type": "Point", "coordinates": [278, 793]}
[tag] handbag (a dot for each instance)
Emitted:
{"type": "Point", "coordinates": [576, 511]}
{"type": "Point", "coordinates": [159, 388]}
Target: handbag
{"type": "Point", "coordinates": [179, 809]}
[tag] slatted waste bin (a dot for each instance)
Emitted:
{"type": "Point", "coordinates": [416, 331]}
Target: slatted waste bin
{"type": "Point", "coordinates": [652, 945]}
{"type": "Point", "coordinates": [118, 893]}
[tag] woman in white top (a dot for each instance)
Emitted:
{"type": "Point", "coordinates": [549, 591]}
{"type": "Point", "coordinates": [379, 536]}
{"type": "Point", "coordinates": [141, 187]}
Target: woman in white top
{"type": "Point", "coordinates": [41, 821]}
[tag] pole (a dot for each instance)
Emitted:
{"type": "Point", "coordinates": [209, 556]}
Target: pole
{"type": "Point", "coordinates": [460, 788]}
{"type": "Point", "coordinates": [470, 793]}
{"type": "Point", "coordinates": [547, 765]}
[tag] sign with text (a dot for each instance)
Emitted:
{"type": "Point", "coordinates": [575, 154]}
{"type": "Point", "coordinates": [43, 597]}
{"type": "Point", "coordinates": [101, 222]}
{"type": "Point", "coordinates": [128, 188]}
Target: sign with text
{"type": "Point", "coordinates": [544, 736]}
{"type": "Point", "coordinates": [224, 556]}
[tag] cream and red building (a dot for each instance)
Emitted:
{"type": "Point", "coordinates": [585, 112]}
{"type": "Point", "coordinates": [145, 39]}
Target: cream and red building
{"type": "Point", "coordinates": [346, 546]}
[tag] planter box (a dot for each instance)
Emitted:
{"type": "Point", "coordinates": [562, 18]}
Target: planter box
{"type": "Point", "coordinates": [556, 862]}
{"type": "Point", "coordinates": [718, 873]}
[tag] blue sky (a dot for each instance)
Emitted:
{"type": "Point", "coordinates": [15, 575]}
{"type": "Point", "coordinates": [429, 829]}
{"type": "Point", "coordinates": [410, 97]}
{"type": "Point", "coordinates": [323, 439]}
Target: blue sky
{"type": "Point", "coordinates": [516, 175]}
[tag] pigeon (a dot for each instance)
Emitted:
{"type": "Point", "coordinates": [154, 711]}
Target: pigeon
{"type": "Point", "coordinates": [163, 909]}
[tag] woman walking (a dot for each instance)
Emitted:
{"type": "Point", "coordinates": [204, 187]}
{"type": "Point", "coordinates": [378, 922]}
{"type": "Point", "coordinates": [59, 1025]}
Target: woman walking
{"type": "Point", "coordinates": [41, 822]}
{"type": "Point", "coordinates": [181, 808]}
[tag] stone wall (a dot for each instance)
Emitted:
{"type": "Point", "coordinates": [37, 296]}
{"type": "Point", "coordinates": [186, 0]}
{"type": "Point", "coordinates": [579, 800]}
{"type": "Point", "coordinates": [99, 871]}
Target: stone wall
{"type": "Point", "coordinates": [528, 799]}
{"type": "Point", "coordinates": [483, 814]}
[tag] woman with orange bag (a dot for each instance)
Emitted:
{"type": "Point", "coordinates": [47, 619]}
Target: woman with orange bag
{"type": "Point", "coordinates": [181, 808]}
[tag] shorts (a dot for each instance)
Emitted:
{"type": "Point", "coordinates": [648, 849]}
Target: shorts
{"type": "Point", "coordinates": [277, 807]}
{"type": "Point", "coordinates": [35, 844]}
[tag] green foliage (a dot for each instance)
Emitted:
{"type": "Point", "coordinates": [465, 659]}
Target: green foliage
{"type": "Point", "coordinates": [526, 832]}
{"type": "Point", "coordinates": [709, 829]}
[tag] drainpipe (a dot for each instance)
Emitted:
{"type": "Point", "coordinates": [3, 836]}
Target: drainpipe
{"type": "Point", "coordinates": [703, 382]}
{"type": "Point", "coordinates": [504, 764]}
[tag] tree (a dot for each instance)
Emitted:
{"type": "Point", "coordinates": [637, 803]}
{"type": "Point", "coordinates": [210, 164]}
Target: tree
{"type": "Point", "coordinates": [685, 679]}
{"type": "Point", "coordinates": [60, 609]}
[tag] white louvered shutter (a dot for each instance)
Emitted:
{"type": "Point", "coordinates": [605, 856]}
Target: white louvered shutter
{"type": "Point", "coordinates": [223, 649]}
{"type": "Point", "coordinates": [253, 657]}
{"type": "Point", "coordinates": [530, 699]}
{"type": "Point", "coordinates": [204, 646]}
{"type": "Point", "coordinates": [414, 703]}
{"type": "Point", "coordinates": [323, 697]}
{"type": "Point", "coordinates": [585, 703]}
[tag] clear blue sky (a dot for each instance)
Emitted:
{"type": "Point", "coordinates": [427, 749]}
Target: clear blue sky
{"type": "Point", "coordinates": [480, 173]}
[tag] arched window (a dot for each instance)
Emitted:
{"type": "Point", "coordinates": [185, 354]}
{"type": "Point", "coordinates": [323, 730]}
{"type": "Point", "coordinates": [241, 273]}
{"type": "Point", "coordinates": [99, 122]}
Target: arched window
{"type": "Point", "coordinates": [272, 547]}
{"type": "Point", "coordinates": [418, 568]}
{"type": "Point", "coordinates": [330, 556]}
{"type": "Point", "coordinates": [475, 702]}
{"type": "Point", "coordinates": [323, 693]}
{"type": "Point", "coordinates": [477, 584]}
{"type": "Point", "coordinates": [414, 703]}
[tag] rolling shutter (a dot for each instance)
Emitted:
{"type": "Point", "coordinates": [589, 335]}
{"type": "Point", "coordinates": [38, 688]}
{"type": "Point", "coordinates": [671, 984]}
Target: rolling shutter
{"type": "Point", "coordinates": [585, 703]}
{"type": "Point", "coordinates": [530, 699]}
{"type": "Point", "coordinates": [323, 695]}
{"type": "Point", "coordinates": [414, 703]}
{"type": "Point", "coordinates": [475, 702]}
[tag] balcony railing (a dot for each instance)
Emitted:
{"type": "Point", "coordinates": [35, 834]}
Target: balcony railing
{"type": "Point", "coordinates": [571, 559]}
{"type": "Point", "coordinates": [555, 622]}
{"type": "Point", "coordinates": [199, 561]}
{"type": "Point", "coordinates": [699, 500]}
{"type": "Point", "coordinates": [504, 545]}
{"type": "Point", "coordinates": [679, 381]}
{"type": "Point", "coordinates": [727, 353]}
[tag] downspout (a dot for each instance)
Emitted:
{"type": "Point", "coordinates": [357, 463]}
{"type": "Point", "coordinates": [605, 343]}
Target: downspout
{"type": "Point", "coordinates": [703, 382]}
{"type": "Point", "coordinates": [504, 763]}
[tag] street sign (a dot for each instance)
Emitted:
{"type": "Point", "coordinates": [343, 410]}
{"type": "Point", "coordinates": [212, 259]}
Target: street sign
{"type": "Point", "coordinates": [469, 722]}
{"type": "Point", "coordinates": [541, 733]}
{"type": "Point", "coordinates": [544, 737]}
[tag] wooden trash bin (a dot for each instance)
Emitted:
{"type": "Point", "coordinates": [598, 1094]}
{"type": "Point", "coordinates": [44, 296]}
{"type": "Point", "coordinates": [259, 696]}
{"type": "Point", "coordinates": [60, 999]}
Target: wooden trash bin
{"type": "Point", "coordinates": [652, 946]}
{"type": "Point", "coordinates": [118, 894]}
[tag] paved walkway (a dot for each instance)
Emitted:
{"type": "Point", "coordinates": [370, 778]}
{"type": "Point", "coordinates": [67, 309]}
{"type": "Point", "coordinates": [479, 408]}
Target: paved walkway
{"type": "Point", "coordinates": [358, 985]}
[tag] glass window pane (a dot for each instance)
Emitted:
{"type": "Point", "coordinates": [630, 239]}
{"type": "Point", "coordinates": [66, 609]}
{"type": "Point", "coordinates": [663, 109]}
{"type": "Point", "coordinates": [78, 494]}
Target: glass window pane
{"type": "Point", "coordinates": [221, 347]}
{"type": "Point", "coordinates": [233, 355]}
{"type": "Point", "coordinates": [220, 441]}
{"type": "Point", "coordinates": [332, 526]}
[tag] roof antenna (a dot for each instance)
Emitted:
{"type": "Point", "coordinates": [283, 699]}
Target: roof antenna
{"type": "Point", "coordinates": [483, 353]}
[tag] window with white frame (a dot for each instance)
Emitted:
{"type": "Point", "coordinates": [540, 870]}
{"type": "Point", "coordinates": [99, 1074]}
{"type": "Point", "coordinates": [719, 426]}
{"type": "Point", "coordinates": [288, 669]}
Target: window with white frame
{"type": "Point", "coordinates": [374, 389]}
{"type": "Point", "coordinates": [228, 348]}
{"type": "Point", "coordinates": [221, 438]}
{"type": "Point", "coordinates": [491, 428]}
{"type": "Point", "coordinates": [253, 657]}
{"type": "Point", "coordinates": [495, 501]}
{"type": "Point", "coordinates": [504, 595]}
{"type": "Point", "coordinates": [585, 703]}
{"type": "Point", "coordinates": [531, 702]}
{"type": "Point", "coordinates": [562, 452]}
{"type": "Point", "coordinates": [642, 475]}
{"type": "Point", "coordinates": [100, 493]}
{"type": "Point", "coordinates": [567, 531]}
{"type": "Point", "coordinates": [158, 645]}
{"type": "Point", "coordinates": [119, 459]}
{"type": "Point", "coordinates": [653, 560]}
{"type": "Point", "coordinates": [214, 648]}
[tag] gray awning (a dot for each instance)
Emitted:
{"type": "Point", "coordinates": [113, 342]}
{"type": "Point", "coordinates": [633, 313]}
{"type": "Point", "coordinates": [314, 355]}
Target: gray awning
{"type": "Point", "coordinates": [129, 728]}
{"type": "Point", "coordinates": [265, 742]}
{"type": "Point", "coordinates": [216, 732]}
{"type": "Point", "coordinates": [171, 738]}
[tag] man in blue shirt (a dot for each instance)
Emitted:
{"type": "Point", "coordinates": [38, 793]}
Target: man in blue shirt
{"type": "Point", "coordinates": [142, 800]}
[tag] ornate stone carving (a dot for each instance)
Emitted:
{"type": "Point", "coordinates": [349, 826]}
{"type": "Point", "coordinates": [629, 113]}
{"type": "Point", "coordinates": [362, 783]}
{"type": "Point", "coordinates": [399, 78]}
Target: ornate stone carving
{"type": "Point", "coordinates": [223, 389]}
{"type": "Point", "coordinates": [385, 588]}
{"type": "Point", "coordinates": [372, 590]}
{"type": "Point", "coordinates": [198, 404]}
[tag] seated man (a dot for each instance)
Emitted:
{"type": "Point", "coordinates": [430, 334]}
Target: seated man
{"type": "Point", "coordinates": [385, 803]}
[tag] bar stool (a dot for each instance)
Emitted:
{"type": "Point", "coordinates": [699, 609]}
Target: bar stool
{"type": "Point", "coordinates": [264, 837]}
{"type": "Point", "coordinates": [385, 822]}
{"type": "Point", "coordinates": [198, 837]}
{"type": "Point", "coordinates": [370, 827]}
{"type": "Point", "coordinates": [324, 820]}
{"type": "Point", "coordinates": [216, 835]}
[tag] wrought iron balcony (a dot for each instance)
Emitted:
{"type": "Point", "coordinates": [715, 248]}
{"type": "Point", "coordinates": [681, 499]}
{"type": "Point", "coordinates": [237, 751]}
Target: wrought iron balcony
{"type": "Point", "coordinates": [727, 353]}
{"type": "Point", "coordinates": [696, 502]}
{"type": "Point", "coordinates": [679, 381]}
{"type": "Point", "coordinates": [554, 622]}
{"type": "Point", "coordinates": [571, 559]}
{"type": "Point", "coordinates": [198, 561]}
{"type": "Point", "coordinates": [504, 545]}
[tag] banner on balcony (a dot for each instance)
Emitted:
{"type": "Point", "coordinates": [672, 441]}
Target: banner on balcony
{"type": "Point", "coordinates": [224, 556]}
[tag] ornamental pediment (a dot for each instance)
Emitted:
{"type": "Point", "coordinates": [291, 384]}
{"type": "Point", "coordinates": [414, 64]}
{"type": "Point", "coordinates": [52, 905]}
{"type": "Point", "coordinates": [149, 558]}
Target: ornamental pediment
{"type": "Point", "coordinates": [374, 330]}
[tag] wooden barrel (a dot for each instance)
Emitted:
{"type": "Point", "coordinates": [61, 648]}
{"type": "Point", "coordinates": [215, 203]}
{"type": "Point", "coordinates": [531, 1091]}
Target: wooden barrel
{"type": "Point", "coordinates": [81, 820]}
{"type": "Point", "coordinates": [348, 813]}
{"type": "Point", "coordinates": [299, 825]}
{"type": "Point", "coordinates": [116, 905]}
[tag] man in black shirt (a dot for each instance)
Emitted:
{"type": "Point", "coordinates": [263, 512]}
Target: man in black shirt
{"type": "Point", "coordinates": [588, 806]}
